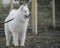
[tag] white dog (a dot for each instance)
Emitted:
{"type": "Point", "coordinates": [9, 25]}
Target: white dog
{"type": "Point", "coordinates": [18, 26]}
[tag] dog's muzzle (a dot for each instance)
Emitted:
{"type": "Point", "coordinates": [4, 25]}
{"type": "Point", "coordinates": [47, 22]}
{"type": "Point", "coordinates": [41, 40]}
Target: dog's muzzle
{"type": "Point", "coordinates": [27, 16]}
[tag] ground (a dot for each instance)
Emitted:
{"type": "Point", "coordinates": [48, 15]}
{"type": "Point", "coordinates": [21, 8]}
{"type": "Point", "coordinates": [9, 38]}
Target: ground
{"type": "Point", "coordinates": [46, 38]}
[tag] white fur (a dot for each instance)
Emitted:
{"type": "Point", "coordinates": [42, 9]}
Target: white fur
{"type": "Point", "coordinates": [17, 27]}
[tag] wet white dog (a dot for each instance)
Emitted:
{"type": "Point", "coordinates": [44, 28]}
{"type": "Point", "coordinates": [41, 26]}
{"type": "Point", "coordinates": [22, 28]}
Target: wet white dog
{"type": "Point", "coordinates": [18, 26]}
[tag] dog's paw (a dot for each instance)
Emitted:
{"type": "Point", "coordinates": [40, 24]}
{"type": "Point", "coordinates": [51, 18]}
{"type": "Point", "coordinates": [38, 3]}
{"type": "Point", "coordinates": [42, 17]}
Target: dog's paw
{"type": "Point", "coordinates": [15, 44]}
{"type": "Point", "coordinates": [22, 45]}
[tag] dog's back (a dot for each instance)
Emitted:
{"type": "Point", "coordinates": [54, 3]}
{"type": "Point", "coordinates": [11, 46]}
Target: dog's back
{"type": "Point", "coordinates": [11, 15]}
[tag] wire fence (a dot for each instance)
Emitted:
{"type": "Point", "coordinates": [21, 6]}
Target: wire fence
{"type": "Point", "coordinates": [44, 13]}
{"type": "Point", "coordinates": [43, 39]}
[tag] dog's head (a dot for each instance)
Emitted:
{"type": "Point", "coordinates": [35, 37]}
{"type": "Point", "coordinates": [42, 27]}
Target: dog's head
{"type": "Point", "coordinates": [25, 10]}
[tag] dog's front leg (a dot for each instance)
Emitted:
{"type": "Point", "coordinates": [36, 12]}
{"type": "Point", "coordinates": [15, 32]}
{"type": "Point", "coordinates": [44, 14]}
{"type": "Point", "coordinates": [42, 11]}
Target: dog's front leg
{"type": "Point", "coordinates": [23, 39]}
{"type": "Point", "coordinates": [15, 39]}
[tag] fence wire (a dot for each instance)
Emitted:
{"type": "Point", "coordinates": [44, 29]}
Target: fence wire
{"type": "Point", "coordinates": [44, 39]}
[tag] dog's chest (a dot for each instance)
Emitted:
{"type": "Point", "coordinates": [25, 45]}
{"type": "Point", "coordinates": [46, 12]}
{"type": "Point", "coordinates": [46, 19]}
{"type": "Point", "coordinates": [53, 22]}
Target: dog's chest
{"type": "Point", "coordinates": [17, 26]}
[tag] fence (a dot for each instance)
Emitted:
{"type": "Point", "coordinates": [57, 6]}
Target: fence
{"type": "Point", "coordinates": [48, 39]}
{"type": "Point", "coordinates": [44, 14]}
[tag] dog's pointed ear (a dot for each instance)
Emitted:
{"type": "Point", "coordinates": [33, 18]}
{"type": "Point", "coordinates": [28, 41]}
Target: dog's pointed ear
{"type": "Point", "coordinates": [21, 7]}
{"type": "Point", "coordinates": [22, 4]}
{"type": "Point", "coordinates": [29, 2]}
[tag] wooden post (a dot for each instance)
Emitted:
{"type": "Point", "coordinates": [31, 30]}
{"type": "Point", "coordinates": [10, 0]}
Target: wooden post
{"type": "Point", "coordinates": [0, 5]}
{"type": "Point", "coordinates": [11, 4]}
{"type": "Point", "coordinates": [34, 16]}
{"type": "Point", "coordinates": [53, 13]}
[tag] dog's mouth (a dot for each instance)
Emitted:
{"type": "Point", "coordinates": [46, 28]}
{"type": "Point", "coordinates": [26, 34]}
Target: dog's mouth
{"type": "Point", "coordinates": [27, 16]}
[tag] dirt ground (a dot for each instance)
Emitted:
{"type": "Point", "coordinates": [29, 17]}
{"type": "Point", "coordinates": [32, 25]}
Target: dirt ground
{"type": "Point", "coordinates": [46, 38]}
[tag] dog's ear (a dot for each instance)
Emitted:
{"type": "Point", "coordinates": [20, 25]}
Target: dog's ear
{"type": "Point", "coordinates": [22, 3]}
{"type": "Point", "coordinates": [21, 7]}
{"type": "Point", "coordinates": [29, 2]}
